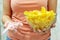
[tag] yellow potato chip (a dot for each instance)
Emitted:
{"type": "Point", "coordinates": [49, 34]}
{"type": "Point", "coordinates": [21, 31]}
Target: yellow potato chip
{"type": "Point", "coordinates": [40, 19]}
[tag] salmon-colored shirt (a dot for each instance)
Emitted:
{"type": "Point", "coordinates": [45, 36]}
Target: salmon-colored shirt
{"type": "Point", "coordinates": [19, 6]}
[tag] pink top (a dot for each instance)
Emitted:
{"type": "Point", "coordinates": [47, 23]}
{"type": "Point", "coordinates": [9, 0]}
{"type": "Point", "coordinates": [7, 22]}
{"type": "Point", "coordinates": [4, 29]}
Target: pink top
{"type": "Point", "coordinates": [19, 6]}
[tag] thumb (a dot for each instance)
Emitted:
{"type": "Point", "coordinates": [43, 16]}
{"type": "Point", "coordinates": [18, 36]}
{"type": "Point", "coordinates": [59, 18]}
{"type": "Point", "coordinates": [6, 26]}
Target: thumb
{"type": "Point", "coordinates": [18, 23]}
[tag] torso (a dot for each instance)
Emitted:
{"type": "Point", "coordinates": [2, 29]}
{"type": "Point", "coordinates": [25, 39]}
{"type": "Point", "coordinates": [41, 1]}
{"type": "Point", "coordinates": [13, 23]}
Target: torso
{"type": "Point", "coordinates": [19, 6]}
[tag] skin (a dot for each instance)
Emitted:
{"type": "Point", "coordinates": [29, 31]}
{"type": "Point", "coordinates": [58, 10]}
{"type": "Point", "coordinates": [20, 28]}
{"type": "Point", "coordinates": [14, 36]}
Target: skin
{"type": "Point", "coordinates": [52, 4]}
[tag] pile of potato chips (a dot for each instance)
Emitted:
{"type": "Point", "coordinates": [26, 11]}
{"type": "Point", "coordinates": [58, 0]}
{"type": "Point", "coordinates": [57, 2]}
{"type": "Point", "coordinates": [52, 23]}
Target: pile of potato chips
{"type": "Point", "coordinates": [40, 19]}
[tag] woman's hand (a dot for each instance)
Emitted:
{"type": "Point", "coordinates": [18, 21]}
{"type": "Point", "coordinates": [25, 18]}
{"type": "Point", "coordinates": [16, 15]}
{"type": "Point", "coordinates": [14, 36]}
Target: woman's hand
{"type": "Point", "coordinates": [26, 33]}
{"type": "Point", "coordinates": [12, 26]}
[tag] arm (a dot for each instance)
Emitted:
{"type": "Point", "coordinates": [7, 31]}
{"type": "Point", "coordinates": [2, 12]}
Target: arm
{"type": "Point", "coordinates": [6, 11]}
{"type": "Point", "coordinates": [7, 17]}
{"type": "Point", "coordinates": [52, 5]}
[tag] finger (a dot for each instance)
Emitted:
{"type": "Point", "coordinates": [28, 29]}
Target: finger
{"type": "Point", "coordinates": [10, 35]}
{"type": "Point", "coordinates": [24, 28]}
{"type": "Point", "coordinates": [17, 34]}
{"type": "Point", "coordinates": [25, 31]}
{"type": "Point", "coordinates": [46, 36]}
{"type": "Point", "coordinates": [15, 31]}
{"type": "Point", "coordinates": [39, 30]}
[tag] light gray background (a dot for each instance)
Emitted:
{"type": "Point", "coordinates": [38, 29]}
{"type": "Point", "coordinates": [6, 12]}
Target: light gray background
{"type": "Point", "coordinates": [55, 31]}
